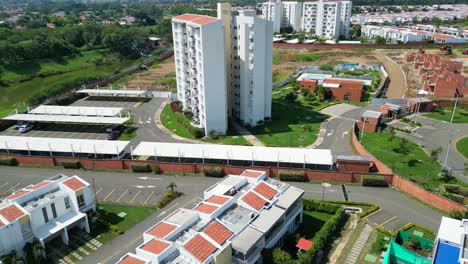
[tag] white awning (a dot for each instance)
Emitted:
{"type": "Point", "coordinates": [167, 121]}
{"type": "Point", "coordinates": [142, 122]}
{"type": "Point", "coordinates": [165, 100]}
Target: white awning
{"type": "Point", "coordinates": [76, 110]}
{"type": "Point", "coordinates": [231, 152]}
{"type": "Point", "coordinates": [68, 119]}
{"type": "Point", "coordinates": [68, 145]}
{"type": "Point", "coordinates": [110, 92]}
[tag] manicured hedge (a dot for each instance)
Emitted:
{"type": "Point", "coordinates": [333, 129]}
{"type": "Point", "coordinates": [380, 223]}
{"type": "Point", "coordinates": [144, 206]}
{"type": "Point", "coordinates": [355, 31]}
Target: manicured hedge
{"type": "Point", "coordinates": [409, 226]}
{"type": "Point", "coordinates": [375, 181]}
{"type": "Point", "coordinates": [455, 197]}
{"type": "Point", "coordinates": [156, 169]}
{"type": "Point", "coordinates": [195, 131]}
{"type": "Point", "coordinates": [140, 168]}
{"type": "Point", "coordinates": [213, 172]}
{"type": "Point", "coordinates": [8, 161]}
{"type": "Point", "coordinates": [291, 175]}
{"type": "Point", "coordinates": [316, 205]}
{"type": "Point", "coordinates": [167, 198]}
{"type": "Point", "coordinates": [71, 164]}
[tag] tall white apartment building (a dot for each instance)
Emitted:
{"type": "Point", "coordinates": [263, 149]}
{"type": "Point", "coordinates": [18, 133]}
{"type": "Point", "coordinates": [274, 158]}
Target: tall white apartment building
{"type": "Point", "coordinates": [251, 56]}
{"type": "Point", "coordinates": [199, 51]}
{"type": "Point", "coordinates": [328, 19]}
{"type": "Point", "coordinates": [272, 10]}
{"type": "Point", "coordinates": [44, 211]}
{"type": "Point", "coordinates": [292, 15]}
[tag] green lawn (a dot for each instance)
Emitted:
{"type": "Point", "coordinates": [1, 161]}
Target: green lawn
{"type": "Point", "coordinates": [375, 246]}
{"type": "Point", "coordinates": [445, 113]}
{"type": "Point", "coordinates": [279, 76]}
{"type": "Point", "coordinates": [109, 212]}
{"type": "Point", "coordinates": [128, 134]}
{"type": "Point", "coordinates": [290, 127]}
{"type": "Point", "coordinates": [169, 120]}
{"type": "Point", "coordinates": [312, 222]}
{"type": "Point", "coordinates": [462, 146]}
{"type": "Point", "coordinates": [415, 164]}
{"type": "Point", "coordinates": [27, 70]}
{"type": "Point", "coordinates": [279, 95]}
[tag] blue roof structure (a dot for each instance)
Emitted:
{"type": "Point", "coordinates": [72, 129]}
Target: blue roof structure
{"type": "Point", "coordinates": [380, 101]}
{"type": "Point", "coordinates": [446, 254]}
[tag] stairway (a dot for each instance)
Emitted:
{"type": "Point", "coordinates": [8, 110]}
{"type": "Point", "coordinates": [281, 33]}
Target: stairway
{"type": "Point", "coordinates": [356, 250]}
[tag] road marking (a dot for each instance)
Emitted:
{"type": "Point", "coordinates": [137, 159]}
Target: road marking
{"type": "Point", "coordinates": [95, 195]}
{"type": "Point", "coordinates": [313, 191]}
{"type": "Point", "coordinates": [6, 183]}
{"type": "Point", "coordinates": [147, 199]}
{"type": "Point", "coordinates": [331, 133]}
{"type": "Point", "coordinates": [134, 197]}
{"type": "Point", "coordinates": [386, 222]}
{"type": "Point", "coordinates": [107, 196]}
{"type": "Point", "coordinates": [11, 189]}
{"type": "Point", "coordinates": [118, 200]}
{"type": "Point", "coordinates": [344, 133]}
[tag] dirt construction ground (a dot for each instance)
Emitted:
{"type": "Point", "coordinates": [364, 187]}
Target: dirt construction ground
{"type": "Point", "coordinates": [146, 79]}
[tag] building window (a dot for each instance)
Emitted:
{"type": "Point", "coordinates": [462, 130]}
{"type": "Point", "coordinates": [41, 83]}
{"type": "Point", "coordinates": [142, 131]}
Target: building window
{"type": "Point", "coordinates": [54, 211]}
{"type": "Point", "coordinates": [67, 202]}
{"type": "Point", "coordinates": [80, 200]}
{"type": "Point", "coordinates": [44, 213]}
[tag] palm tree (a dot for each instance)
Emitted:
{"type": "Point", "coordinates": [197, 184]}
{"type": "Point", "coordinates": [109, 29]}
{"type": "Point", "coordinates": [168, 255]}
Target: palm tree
{"type": "Point", "coordinates": [172, 186]}
{"type": "Point", "coordinates": [38, 250]}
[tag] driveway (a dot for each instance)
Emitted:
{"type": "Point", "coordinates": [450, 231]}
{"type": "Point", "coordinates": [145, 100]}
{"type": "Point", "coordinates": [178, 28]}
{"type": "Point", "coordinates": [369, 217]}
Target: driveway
{"type": "Point", "coordinates": [397, 87]}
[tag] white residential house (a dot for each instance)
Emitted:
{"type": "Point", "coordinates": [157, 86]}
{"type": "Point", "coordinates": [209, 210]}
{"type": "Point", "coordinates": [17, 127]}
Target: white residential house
{"type": "Point", "coordinates": [238, 217]}
{"type": "Point", "coordinates": [44, 211]}
{"type": "Point", "coordinates": [327, 19]}
{"type": "Point", "coordinates": [199, 51]}
{"type": "Point", "coordinates": [292, 15]}
{"type": "Point", "coordinates": [272, 10]}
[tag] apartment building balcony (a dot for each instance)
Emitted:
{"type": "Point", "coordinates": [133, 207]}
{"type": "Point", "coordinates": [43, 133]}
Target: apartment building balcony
{"type": "Point", "coordinates": [252, 257]}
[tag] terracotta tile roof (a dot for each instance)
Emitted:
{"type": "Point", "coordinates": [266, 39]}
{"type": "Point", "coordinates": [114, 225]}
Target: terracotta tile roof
{"type": "Point", "coordinates": [198, 19]}
{"type": "Point", "coordinates": [155, 246]}
{"type": "Point", "coordinates": [265, 190]}
{"type": "Point", "coordinates": [216, 199]}
{"type": "Point", "coordinates": [39, 185]}
{"type": "Point", "coordinates": [11, 213]}
{"type": "Point", "coordinates": [200, 248]}
{"type": "Point", "coordinates": [254, 200]}
{"type": "Point", "coordinates": [442, 36]}
{"type": "Point", "coordinates": [17, 194]}
{"type": "Point", "coordinates": [161, 230]}
{"type": "Point", "coordinates": [74, 184]}
{"type": "Point", "coordinates": [1, 223]}
{"type": "Point", "coordinates": [131, 260]}
{"type": "Point", "coordinates": [252, 174]}
{"type": "Point", "coordinates": [206, 208]}
{"type": "Point", "coordinates": [218, 232]}
{"type": "Point", "coordinates": [353, 84]}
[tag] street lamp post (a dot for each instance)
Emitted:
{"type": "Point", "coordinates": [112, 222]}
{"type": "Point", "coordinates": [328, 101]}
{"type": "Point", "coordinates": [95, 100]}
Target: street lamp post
{"type": "Point", "coordinates": [447, 154]}
{"type": "Point", "coordinates": [454, 108]}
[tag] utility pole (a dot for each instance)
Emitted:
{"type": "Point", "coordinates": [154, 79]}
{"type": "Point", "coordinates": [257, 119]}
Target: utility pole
{"type": "Point", "coordinates": [447, 154]}
{"type": "Point", "coordinates": [363, 127]}
{"type": "Point", "coordinates": [454, 108]}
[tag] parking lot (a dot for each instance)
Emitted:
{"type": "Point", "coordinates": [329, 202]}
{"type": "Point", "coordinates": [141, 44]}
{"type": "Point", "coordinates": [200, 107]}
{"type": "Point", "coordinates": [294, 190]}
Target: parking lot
{"type": "Point", "coordinates": [124, 102]}
{"type": "Point", "coordinates": [61, 131]}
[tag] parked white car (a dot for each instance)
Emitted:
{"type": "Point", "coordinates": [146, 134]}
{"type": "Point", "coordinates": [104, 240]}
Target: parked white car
{"type": "Point", "coordinates": [26, 128]}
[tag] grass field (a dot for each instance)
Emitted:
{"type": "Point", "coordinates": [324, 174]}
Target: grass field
{"type": "Point", "coordinates": [462, 146]}
{"type": "Point", "coordinates": [169, 120]}
{"type": "Point", "coordinates": [445, 113]}
{"type": "Point", "coordinates": [290, 127]}
{"type": "Point", "coordinates": [109, 212]}
{"type": "Point", "coordinates": [415, 164]}
{"type": "Point", "coordinates": [27, 70]}
{"type": "Point", "coordinates": [279, 95]}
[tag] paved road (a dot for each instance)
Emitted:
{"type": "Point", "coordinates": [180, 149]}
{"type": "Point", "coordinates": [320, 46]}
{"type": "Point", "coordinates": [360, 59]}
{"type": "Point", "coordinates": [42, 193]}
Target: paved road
{"type": "Point", "coordinates": [397, 87]}
{"type": "Point", "coordinates": [337, 137]}
{"type": "Point", "coordinates": [434, 134]}
{"type": "Point", "coordinates": [394, 204]}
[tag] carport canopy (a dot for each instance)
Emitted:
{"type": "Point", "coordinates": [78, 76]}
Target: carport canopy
{"type": "Point", "coordinates": [77, 110]}
{"type": "Point", "coordinates": [111, 92]}
{"type": "Point", "coordinates": [230, 152]}
{"type": "Point", "coordinates": [67, 119]}
{"type": "Point", "coordinates": [67, 145]}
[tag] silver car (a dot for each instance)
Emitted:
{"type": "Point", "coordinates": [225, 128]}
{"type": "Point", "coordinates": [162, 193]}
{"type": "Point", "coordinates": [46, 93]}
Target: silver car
{"type": "Point", "coordinates": [26, 128]}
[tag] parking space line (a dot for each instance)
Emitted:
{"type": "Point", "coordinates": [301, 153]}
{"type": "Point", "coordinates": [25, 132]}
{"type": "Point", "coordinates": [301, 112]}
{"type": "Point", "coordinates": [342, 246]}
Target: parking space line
{"type": "Point", "coordinates": [11, 189]}
{"type": "Point", "coordinates": [387, 221]}
{"type": "Point", "coordinates": [6, 183]}
{"type": "Point", "coordinates": [147, 199]}
{"type": "Point", "coordinates": [95, 195]}
{"type": "Point", "coordinates": [134, 197]}
{"type": "Point", "coordinates": [107, 196]}
{"type": "Point", "coordinates": [118, 200]}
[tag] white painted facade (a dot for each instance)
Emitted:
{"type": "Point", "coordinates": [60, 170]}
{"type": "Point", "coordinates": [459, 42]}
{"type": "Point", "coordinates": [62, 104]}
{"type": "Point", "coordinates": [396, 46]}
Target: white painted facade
{"type": "Point", "coordinates": [309, 16]}
{"type": "Point", "coordinates": [44, 211]}
{"type": "Point", "coordinates": [327, 19]}
{"type": "Point", "coordinates": [201, 70]}
{"type": "Point", "coordinates": [292, 15]}
{"type": "Point", "coordinates": [272, 10]}
{"type": "Point", "coordinates": [345, 21]}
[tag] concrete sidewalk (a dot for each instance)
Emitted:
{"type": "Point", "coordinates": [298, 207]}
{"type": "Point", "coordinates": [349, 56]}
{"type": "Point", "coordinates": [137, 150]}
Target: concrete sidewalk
{"type": "Point", "coordinates": [247, 135]}
{"type": "Point", "coordinates": [127, 242]}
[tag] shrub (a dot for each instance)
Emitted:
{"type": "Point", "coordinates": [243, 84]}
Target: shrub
{"type": "Point", "coordinates": [213, 172]}
{"type": "Point", "coordinates": [140, 168]}
{"type": "Point", "coordinates": [316, 205]}
{"type": "Point", "coordinates": [291, 175]}
{"type": "Point", "coordinates": [167, 198]}
{"type": "Point", "coordinates": [371, 180]}
{"type": "Point", "coordinates": [195, 131]}
{"type": "Point", "coordinates": [409, 226]}
{"type": "Point", "coordinates": [458, 214]}
{"type": "Point", "coordinates": [8, 161]}
{"type": "Point", "coordinates": [71, 164]}
{"type": "Point", "coordinates": [156, 169]}
{"type": "Point", "coordinates": [463, 191]}
{"type": "Point", "coordinates": [281, 257]}
{"type": "Point", "coordinates": [455, 197]}
{"type": "Point", "coordinates": [452, 188]}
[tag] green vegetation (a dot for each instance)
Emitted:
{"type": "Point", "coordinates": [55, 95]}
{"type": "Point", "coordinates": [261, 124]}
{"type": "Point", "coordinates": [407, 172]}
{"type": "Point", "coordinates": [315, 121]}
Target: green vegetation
{"type": "Point", "coordinates": [217, 172]}
{"type": "Point", "coordinates": [412, 228]}
{"type": "Point", "coordinates": [109, 224]}
{"type": "Point", "coordinates": [290, 126]}
{"type": "Point", "coordinates": [168, 80]}
{"type": "Point", "coordinates": [279, 76]}
{"type": "Point", "coordinates": [169, 120]}
{"type": "Point", "coordinates": [375, 245]}
{"type": "Point", "coordinates": [168, 198]}
{"type": "Point", "coordinates": [291, 175]}
{"type": "Point", "coordinates": [445, 113]}
{"type": "Point", "coordinates": [407, 159]}
{"type": "Point", "coordinates": [8, 161]}
{"type": "Point", "coordinates": [306, 100]}
{"type": "Point", "coordinates": [462, 146]}
{"type": "Point", "coordinates": [129, 134]}
{"type": "Point", "coordinates": [310, 56]}
{"type": "Point", "coordinates": [375, 181]}
{"type": "Point", "coordinates": [71, 164]}
{"type": "Point", "coordinates": [137, 167]}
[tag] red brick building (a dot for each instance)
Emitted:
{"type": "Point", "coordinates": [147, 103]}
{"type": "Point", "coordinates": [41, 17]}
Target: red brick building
{"type": "Point", "coordinates": [353, 163]}
{"type": "Point", "coordinates": [370, 121]}
{"type": "Point", "coordinates": [345, 90]}
{"type": "Point", "coordinates": [309, 84]}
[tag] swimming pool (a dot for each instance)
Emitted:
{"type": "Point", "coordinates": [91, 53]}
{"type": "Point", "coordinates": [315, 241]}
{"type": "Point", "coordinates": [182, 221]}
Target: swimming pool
{"type": "Point", "coordinates": [316, 76]}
